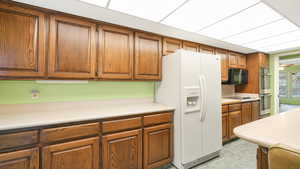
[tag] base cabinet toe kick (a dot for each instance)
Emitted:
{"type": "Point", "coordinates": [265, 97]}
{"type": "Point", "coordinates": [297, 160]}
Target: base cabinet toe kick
{"type": "Point", "coordinates": [142, 141]}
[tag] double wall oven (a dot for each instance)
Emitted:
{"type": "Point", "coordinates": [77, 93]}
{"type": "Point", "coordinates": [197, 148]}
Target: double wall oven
{"type": "Point", "coordinates": [265, 91]}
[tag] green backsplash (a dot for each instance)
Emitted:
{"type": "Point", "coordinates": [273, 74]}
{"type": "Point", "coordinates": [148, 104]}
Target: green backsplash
{"type": "Point", "coordinates": [19, 92]}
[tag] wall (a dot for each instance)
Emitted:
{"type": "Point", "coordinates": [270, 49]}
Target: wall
{"type": "Point", "coordinates": [19, 92]}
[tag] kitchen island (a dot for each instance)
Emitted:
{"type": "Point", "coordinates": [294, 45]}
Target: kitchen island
{"type": "Point", "coordinates": [278, 129]}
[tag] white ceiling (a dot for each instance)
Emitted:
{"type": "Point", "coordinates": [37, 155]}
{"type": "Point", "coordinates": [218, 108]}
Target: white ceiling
{"type": "Point", "coordinates": [248, 23]}
{"type": "Point", "coordinates": [295, 61]}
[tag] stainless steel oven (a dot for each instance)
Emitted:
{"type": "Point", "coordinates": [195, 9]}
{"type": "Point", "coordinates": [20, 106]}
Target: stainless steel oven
{"type": "Point", "coordinates": [265, 103]}
{"type": "Point", "coordinates": [264, 91]}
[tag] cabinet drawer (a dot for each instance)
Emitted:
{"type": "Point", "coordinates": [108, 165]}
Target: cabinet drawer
{"type": "Point", "coordinates": [69, 132]}
{"type": "Point", "coordinates": [234, 107]}
{"type": "Point", "coordinates": [157, 119]}
{"type": "Point", "coordinates": [123, 124]}
{"type": "Point", "coordinates": [224, 108]}
{"type": "Point", "coordinates": [18, 139]}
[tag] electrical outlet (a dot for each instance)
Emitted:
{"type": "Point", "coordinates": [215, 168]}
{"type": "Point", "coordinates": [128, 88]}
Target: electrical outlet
{"type": "Point", "coordinates": [35, 94]}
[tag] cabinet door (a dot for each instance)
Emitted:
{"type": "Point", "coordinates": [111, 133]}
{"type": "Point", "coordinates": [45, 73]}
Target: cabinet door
{"type": "Point", "coordinates": [190, 46]}
{"type": "Point", "coordinates": [263, 60]}
{"type": "Point", "coordinates": [158, 146]}
{"type": "Point", "coordinates": [246, 113]}
{"type": "Point", "coordinates": [171, 45]}
{"type": "Point", "coordinates": [22, 42]}
{"type": "Point", "coordinates": [234, 120]}
{"type": "Point", "coordinates": [80, 154]}
{"type": "Point", "coordinates": [148, 55]}
{"type": "Point", "coordinates": [207, 49]}
{"type": "Point", "coordinates": [72, 48]}
{"type": "Point", "coordinates": [255, 110]}
{"type": "Point", "coordinates": [225, 134]}
{"type": "Point", "coordinates": [233, 61]}
{"type": "Point", "coordinates": [123, 150]}
{"type": "Point", "coordinates": [115, 53]}
{"type": "Point", "coordinates": [242, 61]}
{"type": "Point", "coordinates": [224, 64]}
{"type": "Point", "coordinates": [24, 159]}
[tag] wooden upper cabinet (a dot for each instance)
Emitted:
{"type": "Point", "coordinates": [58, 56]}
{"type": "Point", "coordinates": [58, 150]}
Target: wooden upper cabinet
{"type": "Point", "coordinates": [232, 60]}
{"type": "Point", "coordinates": [263, 60]}
{"type": "Point", "coordinates": [224, 63]}
{"type": "Point", "coordinates": [171, 45]}
{"type": "Point", "coordinates": [123, 150]}
{"type": "Point", "coordinates": [190, 46]}
{"type": "Point", "coordinates": [158, 146]}
{"type": "Point", "coordinates": [80, 154]}
{"type": "Point", "coordinates": [148, 55]}
{"type": "Point", "coordinates": [242, 61]}
{"type": "Point", "coordinates": [207, 49]}
{"type": "Point", "coordinates": [72, 52]}
{"type": "Point", "coordinates": [22, 42]}
{"type": "Point", "coordinates": [24, 159]}
{"type": "Point", "coordinates": [115, 53]}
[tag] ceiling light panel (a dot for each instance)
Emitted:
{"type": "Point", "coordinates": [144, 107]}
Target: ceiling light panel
{"type": "Point", "coordinates": [197, 14]}
{"type": "Point", "coordinates": [154, 10]}
{"type": "Point", "coordinates": [285, 37]}
{"type": "Point", "coordinates": [270, 30]}
{"type": "Point", "coordinates": [101, 3]}
{"type": "Point", "coordinates": [285, 45]}
{"type": "Point", "coordinates": [251, 18]}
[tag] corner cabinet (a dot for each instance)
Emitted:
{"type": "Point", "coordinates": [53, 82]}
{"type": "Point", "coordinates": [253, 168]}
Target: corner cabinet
{"type": "Point", "coordinates": [23, 159]}
{"type": "Point", "coordinates": [72, 48]}
{"type": "Point", "coordinates": [148, 55]}
{"type": "Point", "coordinates": [22, 42]}
{"type": "Point", "coordinates": [115, 60]}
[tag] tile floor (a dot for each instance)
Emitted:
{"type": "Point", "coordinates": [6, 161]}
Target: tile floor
{"type": "Point", "coordinates": [238, 154]}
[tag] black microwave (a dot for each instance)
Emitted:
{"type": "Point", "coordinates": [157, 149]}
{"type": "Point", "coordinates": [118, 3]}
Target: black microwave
{"type": "Point", "coordinates": [237, 76]}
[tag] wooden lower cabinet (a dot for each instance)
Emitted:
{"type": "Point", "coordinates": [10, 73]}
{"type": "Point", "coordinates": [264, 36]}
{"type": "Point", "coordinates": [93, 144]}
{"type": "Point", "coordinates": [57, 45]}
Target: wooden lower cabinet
{"type": "Point", "coordinates": [262, 158]}
{"type": "Point", "coordinates": [225, 129]}
{"type": "Point", "coordinates": [158, 146]}
{"type": "Point", "coordinates": [123, 150]}
{"type": "Point", "coordinates": [255, 110]}
{"type": "Point", "coordinates": [80, 154]}
{"type": "Point", "coordinates": [24, 159]}
{"type": "Point", "coordinates": [234, 120]}
{"type": "Point", "coordinates": [246, 113]}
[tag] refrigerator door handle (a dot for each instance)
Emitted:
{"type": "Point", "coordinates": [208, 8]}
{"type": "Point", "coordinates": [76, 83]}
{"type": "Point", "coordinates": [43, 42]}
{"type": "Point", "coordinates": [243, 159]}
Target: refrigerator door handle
{"type": "Point", "coordinates": [201, 95]}
{"type": "Point", "coordinates": [204, 98]}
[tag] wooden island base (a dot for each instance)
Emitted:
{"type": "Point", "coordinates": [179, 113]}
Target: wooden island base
{"type": "Point", "coordinates": [262, 158]}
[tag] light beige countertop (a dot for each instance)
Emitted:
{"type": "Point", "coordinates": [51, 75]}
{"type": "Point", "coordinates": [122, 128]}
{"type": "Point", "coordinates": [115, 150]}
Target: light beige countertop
{"type": "Point", "coordinates": [278, 129]}
{"type": "Point", "coordinates": [233, 101]}
{"type": "Point", "coordinates": [40, 114]}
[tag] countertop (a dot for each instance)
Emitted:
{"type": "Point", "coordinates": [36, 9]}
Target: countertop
{"type": "Point", "coordinates": [233, 101]}
{"type": "Point", "coordinates": [278, 129]}
{"type": "Point", "coordinates": [33, 115]}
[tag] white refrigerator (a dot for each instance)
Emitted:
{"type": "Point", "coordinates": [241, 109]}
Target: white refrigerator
{"type": "Point", "coordinates": [191, 83]}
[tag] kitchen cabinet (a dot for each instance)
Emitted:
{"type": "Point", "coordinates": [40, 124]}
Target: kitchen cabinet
{"type": "Point", "coordinates": [207, 49]}
{"type": "Point", "coordinates": [22, 42]}
{"type": "Point", "coordinates": [237, 60]}
{"type": "Point", "coordinates": [77, 154]}
{"type": "Point", "coordinates": [190, 46]}
{"type": "Point", "coordinates": [224, 63]}
{"type": "Point", "coordinates": [262, 158]}
{"type": "Point", "coordinates": [148, 55]}
{"type": "Point", "coordinates": [234, 120]}
{"type": "Point", "coordinates": [246, 112]}
{"type": "Point", "coordinates": [23, 159]}
{"type": "Point", "coordinates": [225, 127]}
{"type": "Point", "coordinates": [123, 150]}
{"type": "Point", "coordinates": [171, 45]}
{"type": "Point", "coordinates": [115, 53]}
{"type": "Point", "coordinates": [255, 110]}
{"type": "Point", "coordinates": [242, 61]}
{"type": "Point", "coordinates": [72, 48]}
{"type": "Point", "coordinates": [264, 60]}
{"type": "Point", "coordinates": [158, 145]}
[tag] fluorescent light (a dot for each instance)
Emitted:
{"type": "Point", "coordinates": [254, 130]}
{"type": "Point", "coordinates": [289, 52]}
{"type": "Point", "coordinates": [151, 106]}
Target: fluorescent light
{"type": "Point", "coordinates": [101, 3]}
{"type": "Point", "coordinates": [154, 10]}
{"type": "Point", "coordinates": [196, 14]}
{"type": "Point", "coordinates": [286, 37]}
{"type": "Point", "coordinates": [251, 18]}
{"type": "Point", "coordinates": [266, 31]}
{"type": "Point", "coordinates": [285, 45]}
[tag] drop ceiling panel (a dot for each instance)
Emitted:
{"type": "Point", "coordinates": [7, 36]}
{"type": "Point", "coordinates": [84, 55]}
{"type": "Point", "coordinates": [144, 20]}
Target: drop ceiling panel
{"type": "Point", "coordinates": [101, 3]}
{"type": "Point", "coordinates": [286, 45]}
{"type": "Point", "coordinates": [251, 18]}
{"type": "Point", "coordinates": [270, 30]}
{"type": "Point", "coordinates": [154, 10]}
{"type": "Point", "coordinates": [197, 14]}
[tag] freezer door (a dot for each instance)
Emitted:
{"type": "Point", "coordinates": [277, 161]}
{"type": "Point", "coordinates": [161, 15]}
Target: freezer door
{"type": "Point", "coordinates": [212, 131]}
{"type": "Point", "coordinates": [191, 125]}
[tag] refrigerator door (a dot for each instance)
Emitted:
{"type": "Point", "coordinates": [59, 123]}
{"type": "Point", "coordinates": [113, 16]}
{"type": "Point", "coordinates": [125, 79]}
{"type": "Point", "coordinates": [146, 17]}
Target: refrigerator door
{"type": "Point", "coordinates": [191, 125]}
{"type": "Point", "coordinates": [212, 131]}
